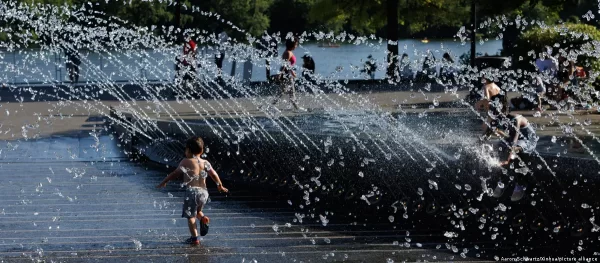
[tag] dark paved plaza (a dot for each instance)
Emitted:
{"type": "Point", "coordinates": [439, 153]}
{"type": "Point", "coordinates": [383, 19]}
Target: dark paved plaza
{"type": "Point", "coordinates": [77, 199]}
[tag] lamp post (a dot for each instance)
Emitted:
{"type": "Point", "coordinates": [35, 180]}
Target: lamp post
{"type": "Point", "coordinates": [177, 18]}
{"type": "Point", "coordinates": [473, 31]}
{"type": "Point", "coordinates": [392, 36]}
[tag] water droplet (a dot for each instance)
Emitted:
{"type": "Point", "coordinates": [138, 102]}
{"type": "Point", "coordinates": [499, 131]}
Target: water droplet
{"type": "Point", "coordinates": [449, 234]}
{"type": "Point", "coordinates": [324, 220]}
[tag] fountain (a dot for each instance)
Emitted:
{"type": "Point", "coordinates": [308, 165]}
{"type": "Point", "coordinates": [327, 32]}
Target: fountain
{"type": "Point", "coordinates": [415, 164]}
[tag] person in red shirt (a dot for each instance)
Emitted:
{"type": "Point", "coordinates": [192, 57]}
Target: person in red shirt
{"type": "Point", "coordinates": [187, 67]}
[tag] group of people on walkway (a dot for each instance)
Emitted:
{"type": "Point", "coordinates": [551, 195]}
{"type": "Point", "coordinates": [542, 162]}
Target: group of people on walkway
{"type": "Point", "coordinates": [406, 70]}
{"type": "Point", "coordinates": [285, 79]}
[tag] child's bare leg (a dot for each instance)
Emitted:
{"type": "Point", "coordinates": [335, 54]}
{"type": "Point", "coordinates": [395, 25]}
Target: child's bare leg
{"type": "Point", "coordinates": [192, 226]}
{"type": "Point", "coordinates": [199, 215]}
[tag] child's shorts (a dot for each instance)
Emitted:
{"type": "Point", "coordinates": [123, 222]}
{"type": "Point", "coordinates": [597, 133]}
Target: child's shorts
{"type": "Point", "coordinates": [193, 201]}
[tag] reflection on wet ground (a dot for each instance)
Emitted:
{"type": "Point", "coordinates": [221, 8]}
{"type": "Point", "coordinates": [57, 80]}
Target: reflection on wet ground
{"type": "Point", "coordinates": [77, 198]}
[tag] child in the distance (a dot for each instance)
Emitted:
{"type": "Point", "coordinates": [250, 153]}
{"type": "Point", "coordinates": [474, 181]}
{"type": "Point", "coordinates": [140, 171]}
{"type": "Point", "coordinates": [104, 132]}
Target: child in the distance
{"type": "Point", "coordinates": [194, 171]}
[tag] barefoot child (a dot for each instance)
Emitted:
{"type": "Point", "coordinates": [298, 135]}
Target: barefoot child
{"type": "Point", "coordinates": [194, 171]}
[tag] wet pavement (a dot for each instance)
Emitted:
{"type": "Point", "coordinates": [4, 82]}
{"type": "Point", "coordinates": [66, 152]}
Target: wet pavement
{"type": "Point", "coordinates": [69, 194]}
{"type": "Point", "coordinates": [77, 198]}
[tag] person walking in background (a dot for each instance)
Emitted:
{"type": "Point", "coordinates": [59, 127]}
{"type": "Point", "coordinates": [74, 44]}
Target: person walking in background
{"type": "Point", "coordinates": [72, 64]}
{"type": "Point", "coordinates": [194, 170]}
{"type": "Point", "coordinates": [287, 76]}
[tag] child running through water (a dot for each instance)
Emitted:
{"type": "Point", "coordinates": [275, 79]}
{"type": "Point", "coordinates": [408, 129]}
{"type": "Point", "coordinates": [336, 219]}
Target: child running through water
{"type": "Point", "coordinates": [194, 171]}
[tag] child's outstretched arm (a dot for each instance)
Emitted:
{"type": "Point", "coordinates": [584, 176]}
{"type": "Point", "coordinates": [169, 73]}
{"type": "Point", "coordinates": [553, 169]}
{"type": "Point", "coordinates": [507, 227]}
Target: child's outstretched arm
{"type": "Point", "coordinates": [173, 175]}
{"type": "Point", "coordinates": [215, 177]}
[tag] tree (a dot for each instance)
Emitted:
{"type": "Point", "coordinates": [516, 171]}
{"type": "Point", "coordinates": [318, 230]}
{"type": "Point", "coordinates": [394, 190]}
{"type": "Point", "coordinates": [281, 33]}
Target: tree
{"type": "Point", "coordinates": [291, 16]}
{"type": "Point", "coordinates": [513, 11]}
{"type": "Point", "coordinates": [249, 15]}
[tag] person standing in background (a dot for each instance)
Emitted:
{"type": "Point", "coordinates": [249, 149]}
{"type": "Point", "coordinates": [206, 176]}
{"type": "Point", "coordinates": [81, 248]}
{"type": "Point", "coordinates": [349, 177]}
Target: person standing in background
{"type": "Point", "coordinates": [72, 64]}
{"type": "Point", "coordinates": [308, 65]}
{"type": "Point", "coordinates": [370, 67]}
{"type": "Point", "coordinates": [406, 72]}
{"type": "Point", "coordinates": [547, 64]}
{"type": "Point", "coordinates": [428, 70]}
{"type": "Point", "coordinates": [220, 55]}
{"type": "Point", "coordinates": [189, 59]}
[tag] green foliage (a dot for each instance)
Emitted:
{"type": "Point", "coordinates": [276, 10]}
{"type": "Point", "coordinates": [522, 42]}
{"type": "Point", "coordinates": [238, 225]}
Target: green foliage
{"type": "Point", "coordinates": [362, 16]}
{"type": "Point", "coordinates": [291, 16]}
{"type": "Point", "coordinates": [428, 14]}
{"type": "Point", "coordinates": [415, 17]}
{"type": "Point", "coordinates": [250, 15]}
{"type": "Point", "coordinates": [574, 41]}
{"type": "Point", "coordinates": [369, 16]}
{"type": "Point", "coordinates": [145, 13]}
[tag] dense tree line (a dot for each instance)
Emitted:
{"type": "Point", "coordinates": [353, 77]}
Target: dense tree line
{"type": "Point", "coordinates": [416, 18]}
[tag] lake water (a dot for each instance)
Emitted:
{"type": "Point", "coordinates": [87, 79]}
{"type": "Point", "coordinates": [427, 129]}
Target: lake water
{"type": "Point", "coordinates": [344, 62]}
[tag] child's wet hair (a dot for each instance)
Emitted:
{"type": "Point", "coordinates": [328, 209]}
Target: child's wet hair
{"type": "Point", "coordinates": [195, 145]}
